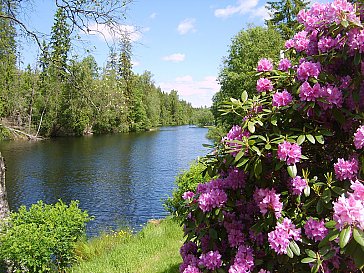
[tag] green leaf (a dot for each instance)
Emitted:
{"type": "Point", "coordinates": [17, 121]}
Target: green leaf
{"type": "Point", "coordinates": [330, 224]}
{"type": "Point", "coordinates": [289, 252]}
{"type": "Point", "coordinates": [244, 97]}
{"type": "Point", "coordinates": [310, 253]}
{"type": "Point", "coordinates": [239, 155]}
{"type": "Point", "coordinates": [292, 170]}
{"type": "Point", "coordinates": [213, 234]}
{"type": "Point", "coordinates": [320, 139]}
{"type": "Point", "coordinates": [326, 195]}
{"type": "Point", "coordinates": [338, 190]}
{"type": "Point", "coordinates": [308, 260]}
{"type": "Point", "coordinates": [311, 138]}
{"type": "Point", "coordinates": [295, 248]}
{"type": "Point", "coordinates": [357, 58]}
{"type": "Point", "coordinates": [344, 236]}
{"type": "Point", "coordinates": [242, 162]}
{"type": "Point", "coordinates": [251, 127]}
{"type": "Point", "coordinates": [339, 116]}
{"type": "Point", "coordinates": [300, 139]}
{"type": "Point", "coordinates": [358, 236]}
{"type": "Point", "coordinates": [274, 121]}
{"type": "Point", "coordinates": [256, 149]}
{"type": "Point", "coordinates": [329, 255]}
{"type": "Point", "coordinates": [258, 168]}
{"type": "Point", "coordinates": [267, 146]}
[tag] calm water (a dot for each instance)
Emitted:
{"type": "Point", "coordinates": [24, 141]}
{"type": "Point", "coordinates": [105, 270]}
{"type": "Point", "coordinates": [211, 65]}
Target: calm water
{"type": "Point", "coordinates": [119, 179]}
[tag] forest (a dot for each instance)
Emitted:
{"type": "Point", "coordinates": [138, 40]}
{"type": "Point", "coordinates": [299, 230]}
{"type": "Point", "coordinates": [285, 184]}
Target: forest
{"type": "Point", "coordinates": [64, 95]}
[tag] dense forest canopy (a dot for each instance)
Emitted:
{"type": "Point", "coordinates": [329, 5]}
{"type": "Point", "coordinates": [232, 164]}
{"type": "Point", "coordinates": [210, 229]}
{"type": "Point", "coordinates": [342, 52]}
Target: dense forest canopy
{"type": "Point", "coordinates": [65, 95]}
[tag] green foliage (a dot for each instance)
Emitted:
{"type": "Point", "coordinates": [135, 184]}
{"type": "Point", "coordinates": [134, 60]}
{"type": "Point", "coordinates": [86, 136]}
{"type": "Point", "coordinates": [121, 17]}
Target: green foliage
{"type": "Point", "coordinates": [186, 181]}
{"type": "Point", "coordinates": [42, 238]}
{"type": "Point", "coordinates": [236, 75]}
{"type": "Point", "coordinates": [284, 16]}
{"type": "Point", "coordinates": [202, 117]}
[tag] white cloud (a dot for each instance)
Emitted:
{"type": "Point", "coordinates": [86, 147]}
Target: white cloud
{"type": "Point", "coordinates": [153, 15]}
{"type": "Point", "coordinates": [198, 93]}
{"type": "Point", "coordinates": [243, 7]}
{"type": "Point", "coordinates": [187, 25]}
{"type": "Point", "coordinates": [135, 63]}
{"type": "Point", "coordinates": [111, 33]}
{"type": "Point", "coordinates": [176, 57]}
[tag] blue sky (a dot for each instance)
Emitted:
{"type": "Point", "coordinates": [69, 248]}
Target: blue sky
{"type": "Point", "coordinates": [182, 43]}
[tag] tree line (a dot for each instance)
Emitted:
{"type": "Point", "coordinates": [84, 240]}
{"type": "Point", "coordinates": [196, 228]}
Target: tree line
{"type": "Point", "coordinates": [65, 95]}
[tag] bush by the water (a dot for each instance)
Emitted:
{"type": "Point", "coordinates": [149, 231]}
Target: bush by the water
{"type": "Point", "coordinates": [186, 181]}
{"type": "Point", "coordinates": [289, 196]}
{"type": "Point", "coordinates": [42, 238]}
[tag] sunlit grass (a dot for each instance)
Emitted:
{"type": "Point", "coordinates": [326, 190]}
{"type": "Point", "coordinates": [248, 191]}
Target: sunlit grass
{"type": "Point", "coordinates": [155, 249]}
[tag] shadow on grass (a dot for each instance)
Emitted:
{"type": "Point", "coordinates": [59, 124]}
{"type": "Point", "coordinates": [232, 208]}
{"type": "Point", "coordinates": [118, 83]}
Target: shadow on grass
{"type": "Point", "coordinates": [172, 269]}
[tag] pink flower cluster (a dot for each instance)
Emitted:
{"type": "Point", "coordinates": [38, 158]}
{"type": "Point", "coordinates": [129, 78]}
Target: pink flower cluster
{"type": "Point", "coordinates": [235, 133]}
{"type": "Point", "coordinates": [350, 210]}
{"type": "Point", "coordinates": [329, 95]}
{"type": "Point", "coordinates": [280, 237]}
{"type": "Point", "coordinates": [359, 138]}
{"type": "Point", "coordinates": [211, 260]}
{"type": "Point", "coordinates": [298, 184]}
{"type": "Point", "coordinates": [281, 98]}
{"type": "Point", "coordinates": [213, 199]}
{"type": "Point", "coordinates": [243, 261]}
{"type": "Point", "coordinates": [264, 65]}
{"type": "Point", "coordinates": [284, 64]}
{"type": "Point", "coordinates": [289, 152]}
{"type": "Point", "coordinates": [264, 85]}
{"type": "Point", "coordinates": [346, 169]}
{"type": "Point", "coordinates": [315, 229]}
{"type": "Point", "coordinates": [300, 41]}
{"type": "Point", "coordinates": [307, 70]}
{"type": "Point", "coordinates": [267, 199]}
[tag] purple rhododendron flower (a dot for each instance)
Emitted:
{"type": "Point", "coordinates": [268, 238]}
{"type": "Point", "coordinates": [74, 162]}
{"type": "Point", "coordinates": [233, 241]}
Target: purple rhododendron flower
{"type": "Point", "coordinates": [308, 93]}
{"type": "Point", "coordinates": [284, 64]}
{"type": "Point", "coordinates": [298, 184]}
{"type": "Point", "coordinates": [315, 229]}
{"type": "Point", "coordinates": [211, 260]}
{"type": "Point", "coordinates": [188, 195]}
{"type": "Point", "coordinates": [188, 248]}
{"type": "Point", "coordinates": [264, 84]}
{"type": "Point", "coordinates": [191, 269]}
{"type": "Point", "coordinates": [358, 189]}
{"type": "Point", "coordinates": [332, 95]}
{"type": "Point", "coordinates": [281, 98]}
{"type": "Point", "coordinates": [349, 211]}
{"type": "Point", "coordinates": [243, 261]}
{"type": "Point", "coordinates": [267, 199]}
{"type": "Point", "coordinates": [264, 65]}
{"type": "Point", "coordinates": [289, 152]}
{"type": "Point", "coordinates": [235, 133]}
{"type": "Point", "coordinates": [346, 169]}
{"type": "Point", "coordinates": [359, 138]}
{"type": "Point", "coordinates": [308, 69]}
{"type": "Point", "coordinates": [280, 237]}
{"type": "Point", "coordinates": [212, 199]}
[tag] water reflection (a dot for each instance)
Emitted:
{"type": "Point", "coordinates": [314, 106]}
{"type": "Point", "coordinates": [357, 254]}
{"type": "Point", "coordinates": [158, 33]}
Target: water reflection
{"type": "Point", "coordinates": [119, 179]}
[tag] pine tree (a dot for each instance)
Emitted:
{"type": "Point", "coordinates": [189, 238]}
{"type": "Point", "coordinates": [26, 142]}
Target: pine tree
{"type": "Point", "coordinates": [283, 16]}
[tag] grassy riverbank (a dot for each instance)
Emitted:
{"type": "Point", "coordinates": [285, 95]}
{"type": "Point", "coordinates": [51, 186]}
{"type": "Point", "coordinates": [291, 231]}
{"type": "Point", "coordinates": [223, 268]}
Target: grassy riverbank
{"type": "Point", "coordinates": [155, 249]}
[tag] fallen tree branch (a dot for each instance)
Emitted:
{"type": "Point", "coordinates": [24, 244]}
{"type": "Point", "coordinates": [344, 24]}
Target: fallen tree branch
{"type": "Point", "coordinates": [29, 136]}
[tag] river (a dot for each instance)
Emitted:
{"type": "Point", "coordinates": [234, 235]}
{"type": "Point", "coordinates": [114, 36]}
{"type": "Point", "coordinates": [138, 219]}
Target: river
{"type": "Point", "coordinates": [119, 179]}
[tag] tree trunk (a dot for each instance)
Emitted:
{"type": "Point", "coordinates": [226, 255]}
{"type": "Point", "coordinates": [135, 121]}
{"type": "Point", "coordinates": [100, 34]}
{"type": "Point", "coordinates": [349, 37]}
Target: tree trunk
{"type": "Point", "coordinates": [4, 206]}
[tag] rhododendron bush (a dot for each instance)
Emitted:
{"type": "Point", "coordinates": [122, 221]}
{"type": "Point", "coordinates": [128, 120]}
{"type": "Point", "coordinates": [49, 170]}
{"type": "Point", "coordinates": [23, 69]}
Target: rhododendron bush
{"type": "Point", "coordinates": [288, 194]}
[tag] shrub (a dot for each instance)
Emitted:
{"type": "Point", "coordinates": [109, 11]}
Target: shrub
{"type": "Point", "coordinates": [186, 181]}
{"type": "Point", "coordinates": [42, 239]}
{"type": "Point", "coordinates": [289, 195]}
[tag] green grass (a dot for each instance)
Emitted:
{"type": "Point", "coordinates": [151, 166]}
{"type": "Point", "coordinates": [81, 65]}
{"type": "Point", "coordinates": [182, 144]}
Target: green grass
{"type": "Point", "coordinates": [155, 249]}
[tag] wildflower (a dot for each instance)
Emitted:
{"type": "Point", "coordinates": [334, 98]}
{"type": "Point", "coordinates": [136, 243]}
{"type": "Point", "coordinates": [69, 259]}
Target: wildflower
{"type": "Point", "coordinates": [308, 93]}
{"type": "Point", "coordinates": [315, 229]}
{"type": "Point", "coordinates": [264, 65]}
{"type": "Point", "coordinates": [188, 195]}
